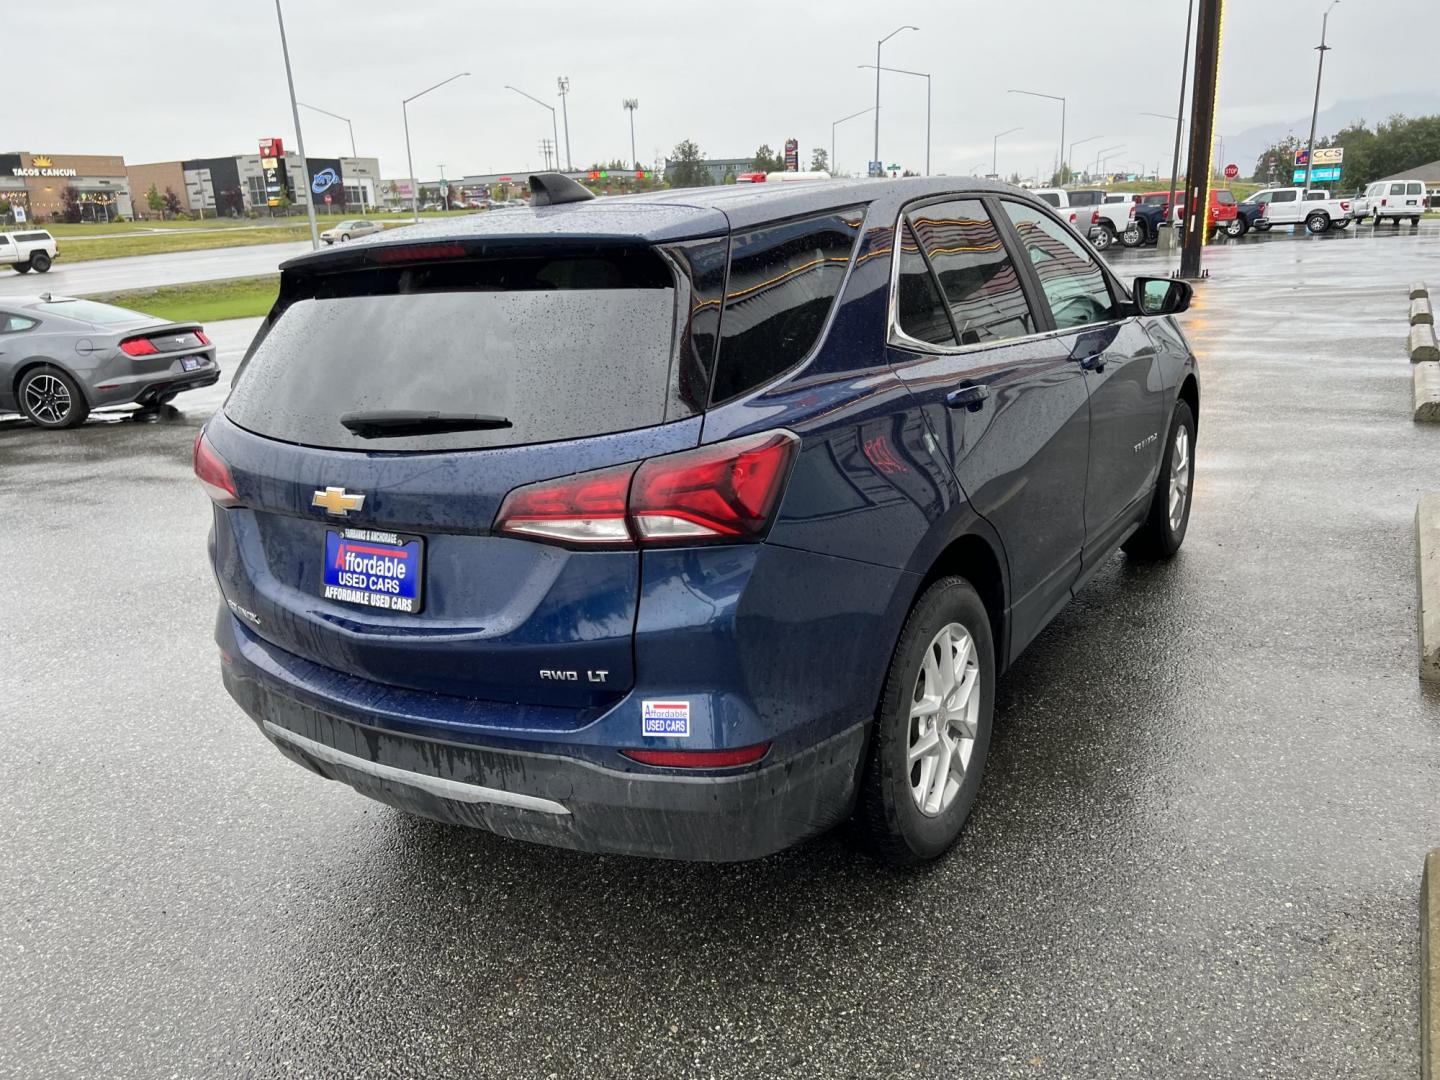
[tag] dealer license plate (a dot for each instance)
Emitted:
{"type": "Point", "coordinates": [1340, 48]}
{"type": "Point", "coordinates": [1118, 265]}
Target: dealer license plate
{"type": "Point", "coordinates": [374, 569]}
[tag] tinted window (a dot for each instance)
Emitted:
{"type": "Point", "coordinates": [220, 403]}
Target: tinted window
{"type": "Point", "coordinates": [1073, 282]}
{"type": "Point", "coordinates": [1225, 197]}
{"type": "Point", "coordinates": [1316, 196]}
{"type": "Point", "coordinates": [30, 237]}
{"type": "Point", "coordinates": [1397, 189]}
{"type": "Point", "coordinates": [979, 282]}
{"type": "Point", "coordinates": [1414, 189]}
{"type": "Point", "coordinates": [4, 239]}
{"type": "Point", "coordinates": [1050, 197]}
{"type": "Point", "coordinates": [1288, 195]}
{"type": "Point", "coordinates": [920, 309]}
{"type": "Point", "coordinates": [783, 281]}
{"type": "Point", "coordinates": [562, 348]}
{"type": "Point", "coordinates": [1086, 198]}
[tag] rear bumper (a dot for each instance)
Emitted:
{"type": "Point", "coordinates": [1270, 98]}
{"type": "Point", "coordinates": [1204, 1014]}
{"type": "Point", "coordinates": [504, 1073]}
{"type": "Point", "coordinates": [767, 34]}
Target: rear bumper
{"type": "Point", "coordinates": [552, 799]}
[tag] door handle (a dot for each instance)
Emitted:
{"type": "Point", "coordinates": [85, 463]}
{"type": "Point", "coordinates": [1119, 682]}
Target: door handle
{"type": "Point", "coordinates": [968, 397]}
{"type": "Point", "coordinates": [1094, 362]}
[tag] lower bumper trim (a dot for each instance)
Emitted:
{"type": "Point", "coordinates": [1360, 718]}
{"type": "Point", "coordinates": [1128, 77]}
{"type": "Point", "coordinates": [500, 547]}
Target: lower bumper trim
{"type": "Point", "coordinates": [454, 790]}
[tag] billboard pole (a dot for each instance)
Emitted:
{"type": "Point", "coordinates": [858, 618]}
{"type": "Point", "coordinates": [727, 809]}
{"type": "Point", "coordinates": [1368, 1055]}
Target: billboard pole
{"type": "Point", "coordinates": [1322, 49]}
{"type": "Point", "coordinates": [299, 138]}
{"type": "Point", "coordinates": [1202, 134]}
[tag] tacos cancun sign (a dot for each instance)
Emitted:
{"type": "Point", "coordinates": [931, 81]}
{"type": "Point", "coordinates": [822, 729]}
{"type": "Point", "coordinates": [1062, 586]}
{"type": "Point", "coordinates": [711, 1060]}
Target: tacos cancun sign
{"type": "Point", "coordinates": [40, 165]}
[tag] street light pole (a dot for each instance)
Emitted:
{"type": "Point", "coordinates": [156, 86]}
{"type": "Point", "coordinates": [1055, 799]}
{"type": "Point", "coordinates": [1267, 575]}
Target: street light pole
{"type": "Point", "coordinates": [353, 154]}
{"type": "Point", "coordinates": [836, 124]}
{"type": "Point", "coordinates": [444, 189]}
{"type": "Point", "coordinates": [1322, 49]}
{"type": "Point", "coordinates": [882, 41]}
{"type": "Point", "coordinates": [1052, 97]}
{"type": "Point", "coordinates": [1106, 154]}
{"type": "Point", "coordinates": [995, 150]}
{"type": "Point", "coordinates": [299, 138]}
{"type": "Point", "coordinates": [631, 104]}
{"type": "Point", "coordinates": [926, 77]}
{"type": "Point", "coordinates": [564, 83]}
{"type": "Point", "coordinates": [1082, 142]}
{"type": "Point", "coordinates": [554, 125]}
{"type": "Point", "coordinates": [409, 160]}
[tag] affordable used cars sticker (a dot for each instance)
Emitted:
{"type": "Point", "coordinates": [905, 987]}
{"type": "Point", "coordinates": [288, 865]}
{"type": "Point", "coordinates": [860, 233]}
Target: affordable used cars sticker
{"type": "Point", "coordinates": [667, 718]}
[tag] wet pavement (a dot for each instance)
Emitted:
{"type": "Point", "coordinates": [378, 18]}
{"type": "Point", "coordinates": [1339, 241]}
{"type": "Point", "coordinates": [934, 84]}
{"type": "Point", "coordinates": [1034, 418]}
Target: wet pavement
{"type": "Point", "coordinates": [1196, 853]}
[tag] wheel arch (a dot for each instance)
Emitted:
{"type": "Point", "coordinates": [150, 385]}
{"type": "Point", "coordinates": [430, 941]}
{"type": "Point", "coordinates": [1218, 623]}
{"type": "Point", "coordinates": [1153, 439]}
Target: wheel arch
{"type": "Point", "coordinates": [1190, 394]}
{"type": "Point", "coordinates": [30, 363]}
{"type": "Point", "coordinates": [980, 560]}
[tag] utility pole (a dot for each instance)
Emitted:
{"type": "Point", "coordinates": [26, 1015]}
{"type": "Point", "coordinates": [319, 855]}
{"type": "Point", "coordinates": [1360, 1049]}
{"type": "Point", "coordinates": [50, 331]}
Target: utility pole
{"type": "Point", "coordinates": [1202, 133]}
{"type": "Point", "coordinates": [299, 138]}
{"type": "Point", "coordinates": [631, 104]}
{"type": "Point", "coordinates": [876, 161]}
{"type": "Point", "coordinates": [1170, 234]}
{"type": "Point", "coordinates": [564, 83]}
{"type": "Point", "coordinates": [1322, 49]}
{"type": "Point", "coordinates": [995, 150]}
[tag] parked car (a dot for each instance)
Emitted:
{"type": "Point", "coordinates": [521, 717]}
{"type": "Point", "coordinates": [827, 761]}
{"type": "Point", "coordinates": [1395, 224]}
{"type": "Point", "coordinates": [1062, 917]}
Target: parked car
{"type": "Point", "coordinates": [346, 230]}
{"type": "Point", "coordinates": [1111, 217]}
{"type": "Point", "coordinates": [1393, 200]}
{"type": "Point", "coordinates": [61, 357]}
{"type": "Point", "coordinates": [1315, 209]}
{"type": "Point", "coordinates": [593, 571]}
{"type": "Point", "coordinates": [1076, 207]}
{"type": "Point", "coordinates": [31, 249]}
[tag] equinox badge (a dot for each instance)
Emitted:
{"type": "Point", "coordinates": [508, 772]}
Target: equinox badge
{"type": "Point", "coordinates": [336, 501]}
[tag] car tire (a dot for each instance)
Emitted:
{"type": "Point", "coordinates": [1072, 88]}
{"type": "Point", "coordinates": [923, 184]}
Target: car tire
{"type": "Point", "coordinates": [1317, 223]}
{"type": "Point", "coordinates": [1236, 229]}
{"type": "Point", "coordinates": [344, 237]}
{"type": "Point", "coordinates": [40, 262]}
{"type": "Point", "coordinates": [22, 268]}
{"type": "Point", "coordinates": [947, 628]}
{"type": "Point", "coordinates": [1104, 237]}
{"type": "Point", "coordinates": [1133, 236]}
{"type": "Point", "coordinates": [1168, 518]}
{"type": "Point", "coordinates": [50, 398]}
{"type": "Point", "coordinates": [1262, 226]}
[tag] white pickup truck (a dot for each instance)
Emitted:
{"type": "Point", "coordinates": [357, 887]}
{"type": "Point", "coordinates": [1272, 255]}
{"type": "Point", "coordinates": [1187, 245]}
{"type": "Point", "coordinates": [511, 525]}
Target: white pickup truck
{"type": "Point", "coordinates": [1110, 219]}
{"type": "Point", "coordinates": [27, 250]}
{"type": "Point", "coordinates": [1076, 207]}
{"type": "Point", "coordinates": [1316, 209]}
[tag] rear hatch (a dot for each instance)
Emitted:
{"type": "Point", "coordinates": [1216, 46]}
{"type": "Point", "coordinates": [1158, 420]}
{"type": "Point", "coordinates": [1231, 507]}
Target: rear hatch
{"type": "Point", "coordinates": [378, 424]}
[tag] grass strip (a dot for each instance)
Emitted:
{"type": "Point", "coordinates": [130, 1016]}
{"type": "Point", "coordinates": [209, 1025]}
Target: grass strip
{"type": "Point", "coordinates": [201, 301]}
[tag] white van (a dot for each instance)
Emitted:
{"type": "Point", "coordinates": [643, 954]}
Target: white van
{"type": "Point", "coordinates": [1393, 199]}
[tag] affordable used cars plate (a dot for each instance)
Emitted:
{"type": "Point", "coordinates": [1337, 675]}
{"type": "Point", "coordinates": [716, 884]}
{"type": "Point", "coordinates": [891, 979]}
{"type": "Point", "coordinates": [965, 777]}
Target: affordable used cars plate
{"type": "Point", "coordinates": [190, 363]}
{"type": "Point", "coordinates": [374, 569]}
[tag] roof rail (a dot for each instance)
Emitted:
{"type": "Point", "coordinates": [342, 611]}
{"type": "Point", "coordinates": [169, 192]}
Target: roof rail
{"type": "Point", "coordinates": [553, 188]}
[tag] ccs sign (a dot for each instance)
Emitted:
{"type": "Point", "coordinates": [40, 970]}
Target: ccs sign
{"type": "Point", "coordinates": [1327, 155]}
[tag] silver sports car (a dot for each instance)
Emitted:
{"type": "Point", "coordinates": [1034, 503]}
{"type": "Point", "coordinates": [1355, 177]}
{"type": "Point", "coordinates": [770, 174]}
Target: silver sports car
{"type": "Point", "coordinates": [61, 357]}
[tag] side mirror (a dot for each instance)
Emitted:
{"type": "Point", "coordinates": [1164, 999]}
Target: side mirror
{"type": "Point", "coordinates": [1162, 296]}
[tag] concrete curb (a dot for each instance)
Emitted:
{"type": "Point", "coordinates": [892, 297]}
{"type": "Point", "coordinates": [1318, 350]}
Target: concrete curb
{"type": "Point", "coordinates": [1427, 581]}
{"type": "Point", "coordinates": [1418, 290]}
{"type": "Point", "coordinates": [1421, 312]}
{"type": "Point", "coordinates": [1423, 345]}
{"type": "Point", "coordinates": [1429, 966]}
{"type": "Point", "coordinates": [1427, 392]}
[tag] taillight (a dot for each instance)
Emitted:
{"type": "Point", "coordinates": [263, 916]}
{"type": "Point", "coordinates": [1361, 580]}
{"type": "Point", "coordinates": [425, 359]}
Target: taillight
{"type": "Point", "coordinates": [700, 759]}
{"type": "Point", "coordinates": [213, 473]}
{"type": "Point", "coordinates": [1344, 205]}
{"type": "Point", "coordinates": [1132, 210]}
{"type": "Point", "coordinates": [1263, 207]}
{"type": "Point", "coordinates": [713, 494]}
{"type": "Point", "coordinates": [1384, 202]}
{"type": "Point", "coordinates": [138, 346]}
{"type": "Point", "coordinates": [1095, 217]}
{"type": "Point", "coordinates": [201, 335]}
{"type": "Point", "coordinates": [1072, 217]}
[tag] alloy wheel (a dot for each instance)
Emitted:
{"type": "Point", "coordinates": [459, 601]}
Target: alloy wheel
{"type": "Point", "coordinates": [1179, 478]}
{"type": "Point", "coordinates": [47, 399]}
{"type": "Point", "coordinates": [944, 719]}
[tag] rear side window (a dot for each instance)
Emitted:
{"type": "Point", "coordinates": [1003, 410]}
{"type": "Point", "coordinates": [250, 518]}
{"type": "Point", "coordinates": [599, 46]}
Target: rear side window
{"type": "Point", "coordinates": [1073, 282]}
{"type": "Point", "coordinates": [14, 324]}
{"type": "Point", "coordinates": [919, 306]}
{"type": "Point", "coordinates": [1287, 195]}
{"type": "Point", "coordinates": [1397, 189]}
{"type": "Point", "coordinates": [559, 347]}
{"type": "Point", "coordinates": [783, 282]}
{"type": "Point", "coordinates": [31, 237]}
{"type": "Point", "coordinates": [979, 282]}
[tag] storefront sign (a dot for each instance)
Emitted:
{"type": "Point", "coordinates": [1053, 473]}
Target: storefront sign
{"type": "Point", "coordinates": [40, 165]}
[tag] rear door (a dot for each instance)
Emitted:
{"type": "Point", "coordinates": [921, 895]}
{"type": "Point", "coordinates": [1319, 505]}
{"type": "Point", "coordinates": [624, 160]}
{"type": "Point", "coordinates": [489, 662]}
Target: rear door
{"type": "Point", "coordinates": [1414, 197]}
{"type": "Point", "coordinates": [568, 362]}
{"type": "Point", "coordinates": [1285, 207]}
{"type": "Point", "coordinates": [8, 252]}
{"type": "Point", "coordinates": [1005, 401]}
{"type": "Point", "coordinates": [1126, 387]}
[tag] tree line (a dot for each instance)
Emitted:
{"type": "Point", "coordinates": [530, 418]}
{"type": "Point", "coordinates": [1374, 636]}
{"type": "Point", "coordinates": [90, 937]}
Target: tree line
{"type": "Point", "coordinates": [1393, 146]}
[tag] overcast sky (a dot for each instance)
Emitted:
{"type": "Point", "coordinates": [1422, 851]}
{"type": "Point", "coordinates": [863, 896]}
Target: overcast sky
{"type": "Point", "coordinates": [157, 81]}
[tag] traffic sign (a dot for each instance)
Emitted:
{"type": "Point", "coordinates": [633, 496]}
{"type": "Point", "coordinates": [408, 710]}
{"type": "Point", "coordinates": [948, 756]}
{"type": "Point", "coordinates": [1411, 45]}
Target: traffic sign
{"type": "Point", "coordinates": [877, 168]}
{"type": "Point", "coordinates": [1232, 171]}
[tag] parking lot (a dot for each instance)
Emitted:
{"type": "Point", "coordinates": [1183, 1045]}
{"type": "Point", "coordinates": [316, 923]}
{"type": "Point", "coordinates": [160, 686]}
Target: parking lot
{"type": "Point", "coordinates": [1196, 851]}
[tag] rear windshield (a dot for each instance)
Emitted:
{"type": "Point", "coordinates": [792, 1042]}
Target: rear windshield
{"type": "Point", "coordinates": [1086, 198]}
{"type": "Point", "coordinates": [1225, 197]}
{"type": "Point", "coordinates": [1050, 197]}
{"type": "Point", "coordinates": [32, 237]}
{"type": "Point", "coordinates": [560, 347]}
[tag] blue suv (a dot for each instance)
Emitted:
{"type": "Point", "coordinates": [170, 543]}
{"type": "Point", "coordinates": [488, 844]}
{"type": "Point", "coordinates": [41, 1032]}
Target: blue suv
{"type": "Point", "coordinates": [687, 524]}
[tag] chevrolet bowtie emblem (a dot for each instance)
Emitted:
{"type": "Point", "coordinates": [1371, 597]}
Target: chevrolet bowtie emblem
{"type": "Point", "coordinates": [336, 501]}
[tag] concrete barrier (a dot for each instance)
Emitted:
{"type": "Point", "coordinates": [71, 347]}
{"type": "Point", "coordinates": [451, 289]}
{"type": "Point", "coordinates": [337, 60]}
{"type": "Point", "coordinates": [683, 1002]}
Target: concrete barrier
{"type": "Point", "coordinates": [1430, 967]}
{"type": "Point", "coordinates": [1418, 289]}
{"type": "Point", "coordinates": [1423, 345]}
{"type": "Point", "coordinates": [1427, 581]}
{"type": "Point", "coordinates": [1427, 392]}
{"type": "Point", "coordinates": [1421, 312]}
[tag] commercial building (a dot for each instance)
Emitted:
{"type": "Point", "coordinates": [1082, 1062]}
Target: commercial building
{"type": "Point", "coordinates": [719, 168]}
{"type": "Point", "coordinates": [39, 184]}
{"type": "Point", "coordinates": [236, 184]}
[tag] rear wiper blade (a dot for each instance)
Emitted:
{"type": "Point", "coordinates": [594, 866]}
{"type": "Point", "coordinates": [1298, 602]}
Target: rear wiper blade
{"type": "Point", "coordinates": [388, 423]}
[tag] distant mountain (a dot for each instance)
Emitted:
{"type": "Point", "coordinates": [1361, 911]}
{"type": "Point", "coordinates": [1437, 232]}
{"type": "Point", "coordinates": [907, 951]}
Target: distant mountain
{"type": "Point", "coordinates": [1244, 148]}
